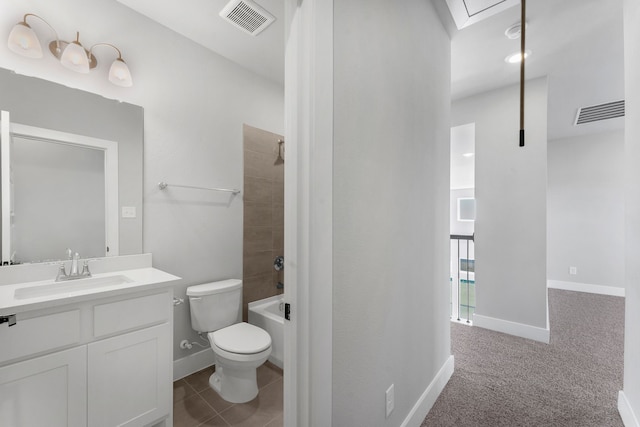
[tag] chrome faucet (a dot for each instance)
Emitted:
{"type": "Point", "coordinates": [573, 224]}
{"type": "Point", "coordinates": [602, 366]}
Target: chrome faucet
{"type": "Point", "coordinates": [74, 264]}
{"type": "Point", "coordinates": [73, 274]}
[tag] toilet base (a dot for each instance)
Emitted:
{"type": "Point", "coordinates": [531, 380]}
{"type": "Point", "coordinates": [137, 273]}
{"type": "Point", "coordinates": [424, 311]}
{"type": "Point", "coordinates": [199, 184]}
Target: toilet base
{"type": "Point", "coordinates": [235, 386]}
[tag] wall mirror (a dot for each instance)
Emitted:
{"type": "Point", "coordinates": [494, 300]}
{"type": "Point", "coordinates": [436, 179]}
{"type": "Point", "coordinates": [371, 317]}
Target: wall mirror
{"type": "Point", "coordinates": [69, 162]}
{"type": "Point", "coordinates": [56, 188]}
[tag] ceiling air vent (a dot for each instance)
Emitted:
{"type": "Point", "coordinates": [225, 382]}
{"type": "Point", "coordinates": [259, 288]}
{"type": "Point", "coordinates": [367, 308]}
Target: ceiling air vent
{"type": "Point", "coordinates": [247, 16]}
{"type": "Point", "coordinates": [595, 113]}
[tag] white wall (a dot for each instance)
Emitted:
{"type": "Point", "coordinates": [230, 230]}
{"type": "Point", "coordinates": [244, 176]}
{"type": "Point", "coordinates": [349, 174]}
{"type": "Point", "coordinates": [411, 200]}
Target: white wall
{"type": "Point", "coordinates": [510, 221]}
{"type": "Point", "coordinates": [629, 402]}
{"type": "Point", "coordinates": [390, 197]}
{"type": "Point", "coordinates": [463, 167]}
{"type": "Point", "coordinates": [195, 103]}
{"type": "Point", "coordinates": [585, 209]}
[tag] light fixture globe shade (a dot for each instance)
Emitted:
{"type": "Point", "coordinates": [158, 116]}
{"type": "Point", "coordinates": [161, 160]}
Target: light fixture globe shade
{"type": "Point", "coordinates": [23, 41]}
{"type": "Point", "coordinates": [119, 74]}
{"type": "Point", "coordinates": [75, 58]}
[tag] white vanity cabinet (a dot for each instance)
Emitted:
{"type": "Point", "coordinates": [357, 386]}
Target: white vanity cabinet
{"type": "Point", "coordinates": [47, 391]}
{"type": "Point", "coordinates": [104, 362]}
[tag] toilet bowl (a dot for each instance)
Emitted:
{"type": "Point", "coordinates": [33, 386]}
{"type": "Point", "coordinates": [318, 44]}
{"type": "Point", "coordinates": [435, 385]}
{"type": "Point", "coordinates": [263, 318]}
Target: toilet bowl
{"type": "Point", "coordinates": [239, 348]}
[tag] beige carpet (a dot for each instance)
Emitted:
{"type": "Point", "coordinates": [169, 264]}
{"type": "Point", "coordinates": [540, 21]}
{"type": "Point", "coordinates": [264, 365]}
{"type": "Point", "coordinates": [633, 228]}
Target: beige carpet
{"type": "Point", "coordinates": [501, 380]}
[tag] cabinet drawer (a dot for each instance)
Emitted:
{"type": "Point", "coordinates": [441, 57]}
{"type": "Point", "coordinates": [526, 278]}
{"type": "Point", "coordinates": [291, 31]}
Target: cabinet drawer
{"type": "Point", "coordinates": [131, 314]}
{"type": "Point", "coordinates": [38, 334]}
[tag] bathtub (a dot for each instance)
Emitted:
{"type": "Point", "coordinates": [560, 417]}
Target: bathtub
{"type": "Point", "coordinates": [268, 314]}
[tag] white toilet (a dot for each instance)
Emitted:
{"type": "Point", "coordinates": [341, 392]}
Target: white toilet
{"type": "Point", "coordinates": [239, 348]}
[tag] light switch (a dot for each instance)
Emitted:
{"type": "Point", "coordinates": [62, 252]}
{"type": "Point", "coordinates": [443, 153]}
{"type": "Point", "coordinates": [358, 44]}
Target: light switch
{"type": "Point", "coordinates": [128, 212]}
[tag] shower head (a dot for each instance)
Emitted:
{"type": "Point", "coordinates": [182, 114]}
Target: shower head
{"type": "Point", "coordinates": [280, 158]}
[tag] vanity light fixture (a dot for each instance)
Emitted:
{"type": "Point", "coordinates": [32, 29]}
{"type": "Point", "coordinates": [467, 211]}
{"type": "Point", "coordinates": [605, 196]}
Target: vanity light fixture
{"type": "Point", "coordinates": [75, 57]}
{"type": "Point", "coordinates": [24, 41]}
{"type": "Point", "coordinates": [119, 73]}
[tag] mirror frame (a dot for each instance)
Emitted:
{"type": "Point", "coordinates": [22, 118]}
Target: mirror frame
{"type": "Point", "coordinates": [110, 149]}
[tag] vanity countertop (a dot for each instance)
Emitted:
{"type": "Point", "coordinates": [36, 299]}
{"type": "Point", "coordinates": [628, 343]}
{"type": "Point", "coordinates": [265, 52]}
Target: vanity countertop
{"type": "Point", "coordinates": [21, 297]}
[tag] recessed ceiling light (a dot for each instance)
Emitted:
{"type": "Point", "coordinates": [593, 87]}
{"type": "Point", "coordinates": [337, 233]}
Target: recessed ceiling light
{"type": "Point", "coordinates": [516, 57]}
{"type": "Point", "coordinates": [467, 155]}
{"type": "Point", "coordinates": [514, 31]}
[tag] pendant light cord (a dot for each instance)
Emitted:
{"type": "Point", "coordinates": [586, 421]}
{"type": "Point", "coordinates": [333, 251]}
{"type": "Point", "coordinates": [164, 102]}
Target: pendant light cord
{"type": "Point", "coordinates": [523, 26]}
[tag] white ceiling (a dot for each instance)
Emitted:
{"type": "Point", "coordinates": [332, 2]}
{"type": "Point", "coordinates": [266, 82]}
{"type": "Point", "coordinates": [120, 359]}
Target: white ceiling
{"type": "Point", "coordinates": [578, 44]}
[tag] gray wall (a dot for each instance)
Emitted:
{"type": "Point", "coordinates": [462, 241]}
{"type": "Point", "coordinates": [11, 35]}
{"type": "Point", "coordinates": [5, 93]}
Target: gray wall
{"type": "Point", "coordinates": [390, 198]}
{"type": "Point", "coordinates": [511, 182]}
{"type": "Point", "coordinates": [37, 102]}
{"type": "Point", "coordinates": [585, 209]}
{"type": "Point", "coordinates": [632, 193]}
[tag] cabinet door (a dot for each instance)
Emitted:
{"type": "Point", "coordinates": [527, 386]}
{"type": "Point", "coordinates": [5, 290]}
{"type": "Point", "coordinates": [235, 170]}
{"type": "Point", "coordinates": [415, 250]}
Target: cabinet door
{"type": "Point", "coordinates": [130, 378]}
{"type": "Point", "coordinates": [46, 391]}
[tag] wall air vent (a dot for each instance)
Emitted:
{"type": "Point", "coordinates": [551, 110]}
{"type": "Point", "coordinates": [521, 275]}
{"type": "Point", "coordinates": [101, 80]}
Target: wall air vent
{"type": "Point", "coordinates": [247, 15]}
{"type": "Point", "coordinates": [595, 113]}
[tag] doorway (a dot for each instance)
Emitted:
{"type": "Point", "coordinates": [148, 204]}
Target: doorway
{"type": "Point", "coordinates": [462, 218]}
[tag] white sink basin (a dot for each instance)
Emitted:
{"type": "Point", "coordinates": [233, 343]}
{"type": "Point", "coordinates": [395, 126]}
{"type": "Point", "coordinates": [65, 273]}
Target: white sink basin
{"type": "Point", "coordinates": [57, 288]}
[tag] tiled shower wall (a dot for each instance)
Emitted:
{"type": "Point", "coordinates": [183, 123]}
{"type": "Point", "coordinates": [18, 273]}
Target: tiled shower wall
{"type": "Point", "coordinates": [263, 227]}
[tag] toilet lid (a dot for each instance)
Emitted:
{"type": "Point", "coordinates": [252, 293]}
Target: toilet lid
{"type": "Point", "coordinates": [242, 338]}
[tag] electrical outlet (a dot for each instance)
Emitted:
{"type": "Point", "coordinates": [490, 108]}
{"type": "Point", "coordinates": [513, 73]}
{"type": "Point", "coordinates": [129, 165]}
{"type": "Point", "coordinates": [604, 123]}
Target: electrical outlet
{"type": "Point", "coordinates": [573, 270]}
{"type": "Point", "coordinates": [128, 212]}
{"type": "Point", "coordinates": [389, 400]}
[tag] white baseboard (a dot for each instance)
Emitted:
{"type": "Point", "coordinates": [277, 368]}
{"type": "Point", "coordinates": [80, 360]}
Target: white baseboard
{"type": "Point", "coordinates": [192, 363]}
{"type": "Point", "coordinates": [512, 328]}
{"type": "Point", "coordinates": [425, 403]}
{"type": "Point", "coordinates": [626, 411]}
{"type": "Point", "coordinates": [586, 287]}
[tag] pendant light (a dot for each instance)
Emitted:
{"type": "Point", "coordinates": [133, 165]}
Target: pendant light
{"type": "Point", "coordinates": [523, 56]}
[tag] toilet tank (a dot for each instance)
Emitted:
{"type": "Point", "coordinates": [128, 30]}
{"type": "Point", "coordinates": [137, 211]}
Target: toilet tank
{"type": "Point", "coordinates": [215, 305]}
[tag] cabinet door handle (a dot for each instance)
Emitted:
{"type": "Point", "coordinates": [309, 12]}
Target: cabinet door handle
{"type": "Point", "coordinates": [10, 319]}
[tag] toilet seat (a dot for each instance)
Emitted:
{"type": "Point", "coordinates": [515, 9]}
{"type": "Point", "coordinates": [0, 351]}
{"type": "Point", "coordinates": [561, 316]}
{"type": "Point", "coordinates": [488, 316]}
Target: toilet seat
{"type": "Point", "coordinates": [241, 338]}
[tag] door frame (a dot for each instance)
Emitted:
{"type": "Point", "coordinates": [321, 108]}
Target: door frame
{"type": "Point", "coordinates": [308, 212]}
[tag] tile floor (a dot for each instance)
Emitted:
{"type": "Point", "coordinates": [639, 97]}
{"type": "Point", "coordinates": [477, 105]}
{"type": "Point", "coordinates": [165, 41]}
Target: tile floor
{"type": "Point", "coordinates": [196, 404]}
